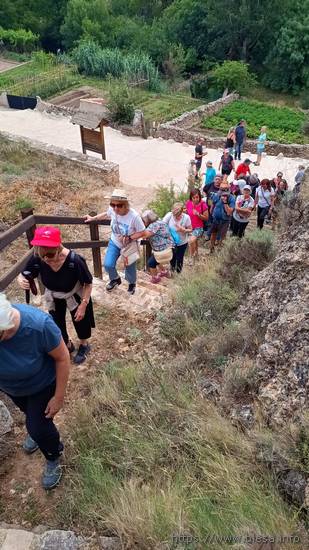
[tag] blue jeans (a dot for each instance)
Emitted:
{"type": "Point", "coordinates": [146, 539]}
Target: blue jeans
{"type": "Point", "coordinates": [110, 260]}
{"type": "Point", "coordinates": [238, 150]}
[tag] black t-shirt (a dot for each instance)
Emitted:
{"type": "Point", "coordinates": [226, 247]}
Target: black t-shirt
{"type": "Point", "coordinates": [198, 151]}
{"type": "Point", "coordinates": [227, 162]}
{"type": "Point", "coordinates": [74, 269]}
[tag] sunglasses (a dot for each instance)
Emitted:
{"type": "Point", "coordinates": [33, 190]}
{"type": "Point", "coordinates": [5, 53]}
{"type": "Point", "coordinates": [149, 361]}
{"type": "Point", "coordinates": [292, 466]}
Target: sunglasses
{"type": "Point", "coordinates": [117, 204]}
{"type": "Point", "coordinates": [50, 254]}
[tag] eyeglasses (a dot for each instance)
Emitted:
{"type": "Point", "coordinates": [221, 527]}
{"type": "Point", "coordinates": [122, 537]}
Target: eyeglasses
{"type": "Point", "coordinates": [117, 204]}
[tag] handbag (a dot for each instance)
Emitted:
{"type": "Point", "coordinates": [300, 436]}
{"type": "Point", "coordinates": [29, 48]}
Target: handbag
{"type": "Point", "coordinates": [163, 256]}
{"type": "Point", "coordinates": [130, 253]}
{"type": "Point", "coordinates": [173, 233]}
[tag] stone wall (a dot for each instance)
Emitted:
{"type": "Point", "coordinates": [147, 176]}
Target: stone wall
{"type": "Point", "coordinates": [180, 129]}
{"type": "Point", "coordinates": [108, 171]}
{"type": "Point", "coordinates": [191, 118]}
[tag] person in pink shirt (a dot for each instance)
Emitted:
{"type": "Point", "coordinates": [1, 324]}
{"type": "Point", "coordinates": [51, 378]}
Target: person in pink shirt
{"type": "Point", "coordinates": [198, 211]}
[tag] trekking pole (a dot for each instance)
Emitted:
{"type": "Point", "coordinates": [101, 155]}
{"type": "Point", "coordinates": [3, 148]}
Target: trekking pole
{"type": "Point", "coordinates": [33, 288]}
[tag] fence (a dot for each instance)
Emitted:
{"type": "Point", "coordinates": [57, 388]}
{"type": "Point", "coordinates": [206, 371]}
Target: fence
{"type": "Point", "coordinates": [28, 226]}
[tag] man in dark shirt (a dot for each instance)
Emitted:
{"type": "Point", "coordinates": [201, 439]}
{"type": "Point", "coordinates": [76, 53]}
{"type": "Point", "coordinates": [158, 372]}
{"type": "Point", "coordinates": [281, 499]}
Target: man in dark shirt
{"type": "Point", "coordinates": [199, 154]}
{"type": "Point", "coordinates": [34, 372]}
{"type": "Point", "coordinates": [240, 136]}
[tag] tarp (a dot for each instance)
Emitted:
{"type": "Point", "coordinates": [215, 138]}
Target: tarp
{"type": "Point", "coordinates": [20, 102]}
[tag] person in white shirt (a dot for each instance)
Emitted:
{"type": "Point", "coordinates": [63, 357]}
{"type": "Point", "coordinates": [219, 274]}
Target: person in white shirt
{"type": "Point", "coordinates": [180, 223]}
{"type": "Point", "coordinates": [264, 200]}
{"type": "Point", "coordinates": [124, 222]}
{"type": "Point", "coordinates": [243, 208]}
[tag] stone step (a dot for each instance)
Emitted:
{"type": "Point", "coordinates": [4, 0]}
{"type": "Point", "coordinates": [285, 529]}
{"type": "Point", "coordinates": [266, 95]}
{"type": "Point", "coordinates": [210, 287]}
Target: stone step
{"type": "Point", "coordinates": [16, 539]}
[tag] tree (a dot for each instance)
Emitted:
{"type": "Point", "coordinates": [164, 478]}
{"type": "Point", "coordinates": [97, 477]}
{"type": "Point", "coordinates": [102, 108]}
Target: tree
{"type": "Point", "coordinates": [233, 76]}
{"type": "Point", "coordinates": [287, 65]}
{"type": "Point", "coordinates": [88, 19]}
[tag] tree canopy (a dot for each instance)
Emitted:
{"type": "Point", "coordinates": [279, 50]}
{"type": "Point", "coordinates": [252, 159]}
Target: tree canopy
{"type": "Point", "coordinates": [270, 35]}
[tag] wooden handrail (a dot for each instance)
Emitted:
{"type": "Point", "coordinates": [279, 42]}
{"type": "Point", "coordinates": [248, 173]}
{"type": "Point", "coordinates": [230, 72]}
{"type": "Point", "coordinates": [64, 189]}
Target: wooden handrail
{"type": "Point", "coordinates": [16, 231]}
{"type": "Point", "coordinates": [67, 220]}
{"type": "Point", "coordinates": [10, 275]}
{"type": "Point", "coordinates": [7, 237]}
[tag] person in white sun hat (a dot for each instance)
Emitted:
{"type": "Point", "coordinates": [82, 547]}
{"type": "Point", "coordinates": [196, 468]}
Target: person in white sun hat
{"type": "Point", "coordinates": [125, 221]}
{"type": "Point", "coordinates": [34, 371]}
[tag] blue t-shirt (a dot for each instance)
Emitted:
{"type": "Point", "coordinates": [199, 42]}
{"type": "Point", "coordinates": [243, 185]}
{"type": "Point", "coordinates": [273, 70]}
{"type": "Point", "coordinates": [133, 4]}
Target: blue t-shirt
{"type": "Point", "coordinates": [25, 366]}
{"type": "Point", "coordinates": [209, 175]}
{"type": "Point", "coordinates": [219, 214]}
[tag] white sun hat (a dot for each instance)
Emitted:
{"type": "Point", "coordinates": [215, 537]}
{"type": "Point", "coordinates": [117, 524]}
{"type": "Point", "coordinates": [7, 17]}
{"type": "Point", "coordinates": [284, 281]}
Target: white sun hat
{"type": "Point", "coordinates": [6, 313]}
{"type": "Point", "coordinates": [119, 194]}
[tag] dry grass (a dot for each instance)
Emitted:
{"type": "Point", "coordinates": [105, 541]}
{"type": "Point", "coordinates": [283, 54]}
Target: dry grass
{"type": "Point", "coordinates": [149, 458]}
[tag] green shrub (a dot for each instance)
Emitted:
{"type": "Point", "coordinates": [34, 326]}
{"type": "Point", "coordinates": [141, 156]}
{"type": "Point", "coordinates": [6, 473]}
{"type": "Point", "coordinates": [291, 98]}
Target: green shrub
{"type": "Point", "coordinates": [239, 259]}
{"type": "Point", "coordinates": [202, 300]}
{"type": "Point", "coordinates": [234, 76]}
{"type": "Point", "coordinates": [93, 60]}
{"type": "Point", "coordinates": [283, 124]}
{"type": "Point", "coordinates": [164, 199]}
{"type": "Point", "coordinates": [19, 40]}
{"type": "Point", "coordinates": [23, 202]}
{"type": "Point", "coordinates": [121, 103]}
{"type": "Point", "coordinates": [304, 99]}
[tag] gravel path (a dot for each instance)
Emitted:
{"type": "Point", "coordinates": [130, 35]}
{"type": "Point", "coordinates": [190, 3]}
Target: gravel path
{"type": "Point", "coordinates": [143, 163]}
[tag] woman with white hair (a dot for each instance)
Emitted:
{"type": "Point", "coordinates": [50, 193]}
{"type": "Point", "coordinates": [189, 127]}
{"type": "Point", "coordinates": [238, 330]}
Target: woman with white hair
{"type": "Point", "coordinates": [161, 242]}
{"type": "Point", "coordinates": [34, 372]}
{"type": "Point", "coordinates": [180, 223]}
{"type": "Point", "coordinates": [127, 227]}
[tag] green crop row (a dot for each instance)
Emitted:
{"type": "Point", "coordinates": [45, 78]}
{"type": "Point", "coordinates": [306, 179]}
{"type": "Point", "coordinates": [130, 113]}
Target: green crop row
{"type": "Point", "coordinates": [283, 124]}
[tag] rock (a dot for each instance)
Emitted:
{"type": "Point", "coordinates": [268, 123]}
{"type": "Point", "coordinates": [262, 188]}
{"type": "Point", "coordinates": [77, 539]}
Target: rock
{"type": "Point", "coordinates": [61, 540]}
{"type": "Point", "coordinates": [278, 305]}
{"type": "Point", "coordinates": [293, 485]}
{"type": "Point", "coordinates": [243, 416]}
{"type": "Point", "coordinates": [109, 543]}
{"type": "Point", "coordinates": [6, 420]}
{"type": "Point", "coordinates": [280, 156]}
{"type": "Point", "coordinates": [209, 388]}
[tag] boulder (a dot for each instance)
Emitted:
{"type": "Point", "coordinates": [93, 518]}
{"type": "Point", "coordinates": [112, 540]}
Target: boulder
{"type": "Point", "coordinates": [6, 420]}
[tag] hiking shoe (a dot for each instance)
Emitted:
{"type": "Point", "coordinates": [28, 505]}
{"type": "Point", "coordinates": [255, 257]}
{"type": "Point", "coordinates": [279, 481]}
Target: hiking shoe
{"type": "Point", "coordinates": [111, 285]}
{"type": "Point", "coordinates": [29, 445]}
{"type": "Point", "coordinates": [81, 355]}
{"type": "Point", "coordinates": [131, 288]}
{"type": "Point", "coordinates": [70, 346]}
{"type": "Point", "coordinates": [52, 474]}
{"type": "Point", "coordinates": [155, 279]}
{"type": "Point", "coordinates": [165, 273]}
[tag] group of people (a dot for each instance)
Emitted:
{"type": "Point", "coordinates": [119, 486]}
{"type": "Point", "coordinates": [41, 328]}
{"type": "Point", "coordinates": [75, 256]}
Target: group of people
{"type": "Point", "coordinates": [35, 347]}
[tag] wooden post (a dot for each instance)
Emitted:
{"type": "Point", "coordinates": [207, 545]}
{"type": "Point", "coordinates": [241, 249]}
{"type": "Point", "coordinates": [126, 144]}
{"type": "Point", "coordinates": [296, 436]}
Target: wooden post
{"type": "Point", "coordinates": [25, 212]}
{"type": "Point", "coordinates": [81, 128]}
{"type": "Point", "coordinates": [96, 252]}
{"type": "Point", "coordinates": [102, 141]}
{"type": "Point", "coordinates": [146, 253]}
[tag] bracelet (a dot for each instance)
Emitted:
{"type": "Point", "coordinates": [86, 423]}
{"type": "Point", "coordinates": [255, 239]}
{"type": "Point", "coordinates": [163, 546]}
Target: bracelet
{"type": "Point", "coordinates": [86, 301]}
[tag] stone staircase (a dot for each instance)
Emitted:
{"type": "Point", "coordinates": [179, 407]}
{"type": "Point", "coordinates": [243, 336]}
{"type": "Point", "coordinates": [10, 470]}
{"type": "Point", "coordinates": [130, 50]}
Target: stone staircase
{"type": "Point", "coordinates": [148, 297]}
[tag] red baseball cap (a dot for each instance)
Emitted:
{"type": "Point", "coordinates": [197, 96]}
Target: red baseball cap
{"type": "Point", "coordinates": [47, 236]}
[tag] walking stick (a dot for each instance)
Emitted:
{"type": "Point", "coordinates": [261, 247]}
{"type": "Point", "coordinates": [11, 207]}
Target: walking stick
{"type": "Point", "coordinates": [33, 288]}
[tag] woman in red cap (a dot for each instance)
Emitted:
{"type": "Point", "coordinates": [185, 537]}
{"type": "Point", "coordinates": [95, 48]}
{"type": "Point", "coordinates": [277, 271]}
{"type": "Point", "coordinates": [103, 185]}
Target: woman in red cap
{"type": "Point", "coordinates": [68, 284]}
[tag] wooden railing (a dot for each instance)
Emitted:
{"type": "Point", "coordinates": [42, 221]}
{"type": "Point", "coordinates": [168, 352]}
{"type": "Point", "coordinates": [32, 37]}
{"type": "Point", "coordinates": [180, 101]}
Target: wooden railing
{"type": "Point", "coordinates": [28, 226]}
